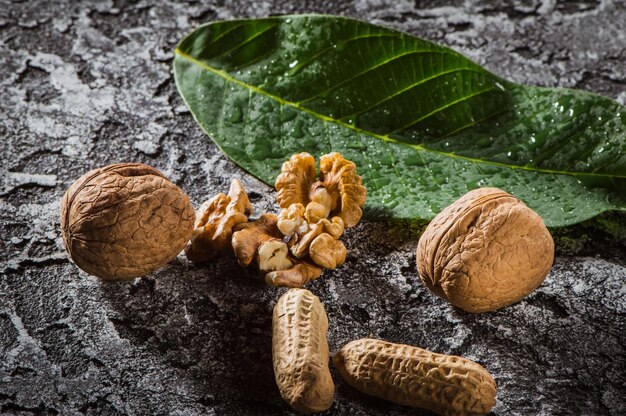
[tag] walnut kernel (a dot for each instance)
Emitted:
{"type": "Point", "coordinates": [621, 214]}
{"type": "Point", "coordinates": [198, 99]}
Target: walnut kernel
{"type": "Point", "coordinates": [214, 225]}
{"type": "Point", "coordinates": [292, 248]}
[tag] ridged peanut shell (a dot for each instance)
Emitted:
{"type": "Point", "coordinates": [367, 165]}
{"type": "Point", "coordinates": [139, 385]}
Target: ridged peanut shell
{"type": "Point", "coordinates": [125, 220]}
{"type": "Point", "coordinates": [411, 376]}
{"type": "Point", "coordinates": [485, 251]}
{"type": "Point", "coordinates": [300, 352]}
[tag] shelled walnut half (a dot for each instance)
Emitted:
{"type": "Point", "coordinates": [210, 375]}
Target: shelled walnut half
{"type": "Point", "coordinates": [215, 222]}
{"type": "Point", "coordinates": [338, 192]}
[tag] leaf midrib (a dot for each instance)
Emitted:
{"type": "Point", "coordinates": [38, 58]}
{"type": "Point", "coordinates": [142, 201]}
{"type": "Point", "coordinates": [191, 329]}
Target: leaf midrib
{"type": "Point", "coordinates": [384, 138]}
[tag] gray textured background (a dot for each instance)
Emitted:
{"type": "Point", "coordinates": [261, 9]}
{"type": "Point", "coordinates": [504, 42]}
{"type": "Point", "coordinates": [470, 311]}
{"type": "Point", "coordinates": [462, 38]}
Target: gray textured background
{"type": "Point", "coordinates": [87, 84]}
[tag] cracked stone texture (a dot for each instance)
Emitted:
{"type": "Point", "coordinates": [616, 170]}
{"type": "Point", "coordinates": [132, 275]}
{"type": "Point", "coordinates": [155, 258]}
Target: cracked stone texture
{"type": "Point", "coordinates": [86, 84]}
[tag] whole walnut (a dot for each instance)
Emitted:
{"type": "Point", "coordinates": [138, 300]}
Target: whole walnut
{"type": "Point", "coordinates": [485, 251]}
{"type": "Point", "coordinates": [124, 221]}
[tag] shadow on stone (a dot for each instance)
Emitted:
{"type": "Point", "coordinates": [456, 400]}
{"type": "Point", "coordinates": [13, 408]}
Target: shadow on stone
{"type": "Point", "coordinates": [212, 323]}
{"type": "Point", "coordinates": [603, 236]}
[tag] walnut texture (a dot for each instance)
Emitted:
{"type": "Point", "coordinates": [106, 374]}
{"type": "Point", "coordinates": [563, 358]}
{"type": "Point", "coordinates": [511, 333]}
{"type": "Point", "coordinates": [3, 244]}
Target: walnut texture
{"type": "Point", "coordinates": [320, 243]}
{"type": "Point", "coordinates": [297, 276]}
{"type": "Point", "coordinates": [327, 252]}
{"type": "Point", "coordinates": [215, 222]}
{"type": "Point", "coordinates": [300, 352]}
{"type": "Point", "coordinates": [259, 243]}
{"type": "Point", "coordinates": [485, 251]}
{"type": "Point", "coordinates": [249, 237]}
{"type": "Point", "coordinates": [339, 192]}
{"type": "Point", "coordinates": [124, 221]}
{"type": "Point", "coordinates": [338, 175]}
{"type": "Point", "coordinates": [315, 213]}
{"type": "Point", "coordinates": [295, 180]}
{"type": "Point", "coordinates": [273, 255]}
{"type": "Point", "coordinates": [291, 220]}
{"type": "Point", "coordinates": [411, 376]}
{"type": "Point", "coordinates": [293, 248]}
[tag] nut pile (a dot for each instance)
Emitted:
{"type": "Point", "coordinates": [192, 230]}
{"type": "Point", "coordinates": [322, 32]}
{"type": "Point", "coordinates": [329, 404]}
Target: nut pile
{"type": "Point", "coordinates": [295, 246]}
{"type": "Point", "coordinates": [485, 251]}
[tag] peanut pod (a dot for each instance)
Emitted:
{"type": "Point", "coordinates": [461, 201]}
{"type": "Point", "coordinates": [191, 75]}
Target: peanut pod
{"type": "Point", "coordinates": [411, 376]}
{"type": "Point", "coordinates": [300, 352]}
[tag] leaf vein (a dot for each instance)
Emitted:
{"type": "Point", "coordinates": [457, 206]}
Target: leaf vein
{"type": "Point", "coordinates": [443, 107]}
{"type": "Point", "coordinates": [334, 46]}
{"type": "Point", "coordinates": [395, 169]}
{"type": "Point", "coordinates": [406, 89]}
{"type": "Point", "coordinates": [370, 69]}
{"type": "Point", "coordinates": [430, 173]}
{"type": "Point", "coordinates": [245, 41]}
{"type": "Point", "coordinates": [387, 137]}
{"type": "Point", "coordinates": [220, 36]}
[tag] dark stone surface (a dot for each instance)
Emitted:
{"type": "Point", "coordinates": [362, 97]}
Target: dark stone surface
{"type": "Point", "coordinates": [87, 84]}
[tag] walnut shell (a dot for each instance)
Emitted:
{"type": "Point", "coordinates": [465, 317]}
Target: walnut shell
{"type": "Point", "coordinates": [485, 251]}
{"type": "Point", "coordinates": [124, 221]}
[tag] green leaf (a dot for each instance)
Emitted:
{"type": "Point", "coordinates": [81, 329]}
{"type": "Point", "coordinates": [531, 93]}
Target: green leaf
{"type": "Point", "coordinates": [423, 123]}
